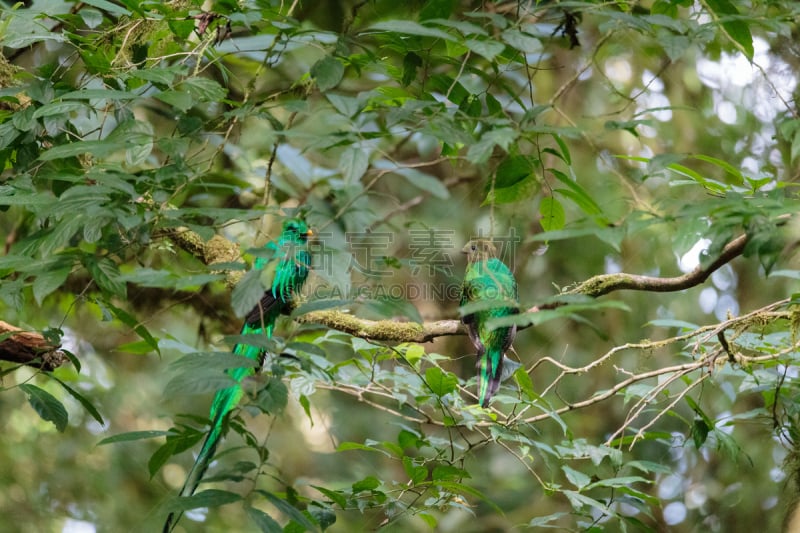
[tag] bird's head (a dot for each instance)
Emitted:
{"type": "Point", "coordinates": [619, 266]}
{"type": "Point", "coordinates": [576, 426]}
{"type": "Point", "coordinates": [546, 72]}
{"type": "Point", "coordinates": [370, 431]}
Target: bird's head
{"type": "Point", "coordinates": [479, 250]}
{"type": "Point", "coordinates": [296, 229]}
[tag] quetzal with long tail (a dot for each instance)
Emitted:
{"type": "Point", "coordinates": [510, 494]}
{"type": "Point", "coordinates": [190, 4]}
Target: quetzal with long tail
{"type": "Point", "coordinates": [291, 260]}
{"type": "Point", "coordinates": [488, 279]}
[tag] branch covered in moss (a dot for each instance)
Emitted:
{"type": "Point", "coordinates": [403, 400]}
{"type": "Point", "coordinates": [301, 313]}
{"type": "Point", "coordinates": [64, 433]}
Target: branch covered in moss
{"type": "Point", "coordinates": [219, 249]}
{"type": "Point", "coordinates": [606, 283]}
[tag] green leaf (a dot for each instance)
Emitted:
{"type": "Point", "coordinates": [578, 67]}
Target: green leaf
{"type": "Point", "coordinates": [368, 483]}
{"type": "Point", "coordinates": [46, 405]}
{"type": "Point", "coordinates": [353, 164]}
{"type": "Point", "coordinates": [265, 522]}
{"type": "Point", "coordinates": [579, 479]}
{"type": "Point", "coordinates": [336, 497]}
{"type": "Point", "coordinates": [82, 400]}
{"type": "Point", "coordinates": [273, 397]}
{"type": "Point", "coordinates": [470, 491]}
{"type": "Point", "coordinates": [552, 214]}
{"type": "Point", "coordinates": [487, 48]}
{"type": "Point", "coordinates": [411, 63]}
{"type": "Point", "coordinates": [416, 474]}
{"type": "Point", "coordinates": [109, 7]}
{"type": "Point", "coordinates": [247, 293]}
{"type": "Point", "coordinates": [424, 182]}
{"type": "Point", "coordinates": [727, 167]}
{"type": "Point", "coordinates": [58, 108]}
{"type": "Point", "coordinates": [206, 498]}
{"type": "Point", "coordinates": [48, 281]}
{"type": "Point", "coordinates": [198, 382]}
{"type": "Point", "coordinates": [514, 181]}
{"type": "Point", "coordinates": [99, 94]}
{"type": "Point", "coordinates": [160, 457]}
{"type": "Point", "coordinates": [409, 27]}
{"type": "Point", "coordinates": [327, 72]}
{"type": "Point", "coordinates": [448, 472]}
{"type": "Point", "coordinates": [440, 382]}
{"type": "Point", "coordinates": [733, 24]}
{"type": "Point", "coordinates": [481, 151]}
{"type": "Point", "coordinates": [98, 149]}
{"type": "Point", "coordinates": [289, 510]}
{"type": "Point", "coordinates": [133, 435]}
{"type": "Point", "coordinates": [180, 100]}
{"type": "Point", "coordinates": [524, 42]}
{"type": "Point", "coordinates": [541, 521]}
{"type": "Point", "coordinates": [622, 481]}
{"type": "Point", "coordinates": [203, 89]}
{"type": "Point", "coordinates": [577, 194]}
{"type": "Point", "coordinates": [131, 321]}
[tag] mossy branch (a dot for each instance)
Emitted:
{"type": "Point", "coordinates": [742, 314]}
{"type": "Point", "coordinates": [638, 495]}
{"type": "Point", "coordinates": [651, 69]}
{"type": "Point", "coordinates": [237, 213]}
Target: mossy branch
{"type": "Point", "coordinates": [220, 250]}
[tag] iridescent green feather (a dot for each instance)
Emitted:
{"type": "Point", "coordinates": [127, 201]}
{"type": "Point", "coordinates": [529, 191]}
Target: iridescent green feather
{"type": "Point", "coordinates": [291, 262]}
{"type": "Point", "coordinates": [487, 279]}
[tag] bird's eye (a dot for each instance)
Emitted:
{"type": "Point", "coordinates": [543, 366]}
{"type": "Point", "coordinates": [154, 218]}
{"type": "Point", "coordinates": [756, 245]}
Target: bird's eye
{"type": "Point", "coordinates": [474, 248]}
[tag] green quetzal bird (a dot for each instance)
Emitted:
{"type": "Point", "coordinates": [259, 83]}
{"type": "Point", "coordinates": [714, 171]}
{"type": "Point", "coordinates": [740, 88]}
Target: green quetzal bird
{"type": "Point", "coordinates": [488, 279]}
{"type": "Point", "coordinates": [291, 261]}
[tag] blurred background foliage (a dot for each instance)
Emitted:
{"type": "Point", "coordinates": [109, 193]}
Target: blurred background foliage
{"type": "Point", "coordinates": [590, 138]}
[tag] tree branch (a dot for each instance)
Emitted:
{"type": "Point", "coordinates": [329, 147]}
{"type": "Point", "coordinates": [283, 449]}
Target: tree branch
{"type": "Point", "coordinates": [28, 348]}
{"type": "Point", "coordinates": [219, 249]}
{"type": "Point", "coordinates": [606, 283]}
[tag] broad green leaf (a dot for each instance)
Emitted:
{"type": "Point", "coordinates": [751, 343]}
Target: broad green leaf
{"type": "Point", "coordinates": [133, 435]}
{"type": "Point", "coordinates": [541, 521]}
{"type": "Point", "coordinates": [289, 510]}
{"type": "Point", "coordinates": [514, 181]}
{"type": "Point", "coordinates": [353, 164]}
{"type": "Point", "coordinates": [416, 474]}
{"type": "Point", "coordinates": [198, 382]}
{"type": "Point", "coordinates": [622, 481]}
{"type": "Point", "coordinates": [206, 498]}
{"type": "Point", "coordinates": [368, 483]}
{"type": "Point", "coordinates": [501, 137]}
{"type": "Point", "coordinates": [90, 408]}
{"type": "Point", "coordinates": [424, 182]}
{"type": "Point", "coordinates": [109, 7]}
{"type": "Point", "coordinates": [327, 72]}
{"type": "Point", "coordinates": [727, 167]}
{"type": "Point", "coordinates": [579, 479]}
{"type": "Point", "coordinates": [203, 89]}
{"type": "Point", "coordinates": [247, 293]}
{"type": "Point", "coordinates": [273, 397]}
{"type": "Point", "coordinates": [524, 42]}
{"type": "Point", "coordinates": [487, 48]}
{"type": "Point", "coordinates": [440, 382]}
{"type": "Point", "coordinates": [409, 27]}
{"type": "Point", "coordinates": [98, 149]}
{"type": "Point", "coordinates": [733, 24]}
{"type": "Point", "coordinates": [58, 108]}
{"type": "Point", "coordinates": [265, 522]}
{"type": "Point", "coordinates": [48, 281]}
{"type": "Point", "coordinates": [99, 94]}
{"type": "Point", "coordinates": [131, 321]}
{"type": "Point", "coordinates": [448, 472]}
{"type": "Point", "coordinates": [551, 213]}
{"type": "Point", "coordinates": [106, 274]}
{"type": "Point", "coordinates": [160, 457]}
{"type": "Point", "coordinates": [46, 405]}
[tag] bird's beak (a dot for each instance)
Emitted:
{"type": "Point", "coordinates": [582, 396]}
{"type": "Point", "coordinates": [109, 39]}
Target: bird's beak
{"type": "Point", "coordinates": [310, 233]}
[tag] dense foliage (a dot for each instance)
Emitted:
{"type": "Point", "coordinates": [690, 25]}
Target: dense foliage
{"type": "Point", "coordinates": [635, 161]}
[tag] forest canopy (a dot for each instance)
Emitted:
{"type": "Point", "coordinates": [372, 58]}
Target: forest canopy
{"type": "Point", "coordinates": [634, 164]}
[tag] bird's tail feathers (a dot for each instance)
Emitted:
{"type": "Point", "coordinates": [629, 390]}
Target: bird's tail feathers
{"type": "Point", "coordinates": [223, 404]}
{"type": "Point", "coordinates": [490, 371]}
